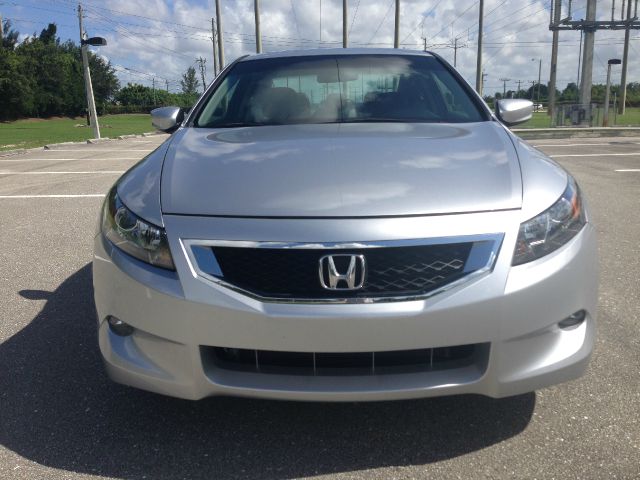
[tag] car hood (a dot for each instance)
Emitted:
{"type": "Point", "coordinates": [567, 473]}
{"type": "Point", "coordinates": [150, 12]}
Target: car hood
{"type": "Point", "coordinates": [341, 170]}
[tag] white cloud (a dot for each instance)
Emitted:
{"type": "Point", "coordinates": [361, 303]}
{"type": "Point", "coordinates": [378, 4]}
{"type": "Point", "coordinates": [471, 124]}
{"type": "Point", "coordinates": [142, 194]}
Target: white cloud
{"type": "Point", "coordinates": [516, 32]}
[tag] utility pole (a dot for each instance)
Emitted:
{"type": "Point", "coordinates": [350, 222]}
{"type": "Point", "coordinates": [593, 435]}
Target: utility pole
{"type": "Point", "coordinates": [605, 116]}
{"type": "Point", "coordinates": [504, 86]}
{"type": "Point", "coordinates": [454, 44]}
{"type": "Point", "coordinates": [215, 53]}
{"type": "Point", "coordinates": [396, 35]}
{"type": "Point", "coordinates": [587, 56]}
{"type": "Point", "coordinates": [479, 56]}
{"type": "Point", "coordinates": [320, 18]}
{"type": "Point", "coordinates": [455, 52]}
{"type": "Point", "coordinates": [625, 62]}
{"type": "Point", "coordinates": [344, 23]}
{"type": "Point", "coordinates": [166, 84]}
{"type": "Point", "coordinates": [424, 41]}
{"type": "Point", "coordinates": [533, 88]}
{"type": "Point", "coordinates": [153, 83]}
{"type": "Point", "coordinates": [539, 78]}
{"type": "Point", "coordinates": [579, 58]}
{"type": "Point", "coordinates": [256, 8]}
{"type": "Point", "coordinates": [587, 29]}
{"type": "Point", "coordinates": [518, 92]}
{"type": "Point", "coordinates": [202, 61]}
{"type": "Point", "coordinates": [220, 36]}
{"type": "Point", "coordinates": [93, 115]}
{"type": "Point", "coordinates": [555, 19]}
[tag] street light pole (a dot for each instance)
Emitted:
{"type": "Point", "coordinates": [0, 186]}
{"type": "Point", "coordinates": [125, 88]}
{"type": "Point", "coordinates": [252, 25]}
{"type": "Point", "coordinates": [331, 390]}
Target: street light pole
{"type": "Point", "coordinates": [93, 115]}
{"type": "Point", "coordinates": [605, 117]}
{"type": "Point", "coordinates": [479, 55]}
{"type": "Point", "coordinates": [539, 78]}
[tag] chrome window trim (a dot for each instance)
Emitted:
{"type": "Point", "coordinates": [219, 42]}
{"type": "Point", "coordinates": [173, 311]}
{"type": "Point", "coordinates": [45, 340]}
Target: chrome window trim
{"type": "Point", "coordinates": [495, 239]}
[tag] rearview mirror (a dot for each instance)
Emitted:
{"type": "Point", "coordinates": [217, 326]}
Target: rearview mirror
{"type": "Point", "coordinates": [167, 119]}
{"type": "Point", "coordinates": [513, 111]}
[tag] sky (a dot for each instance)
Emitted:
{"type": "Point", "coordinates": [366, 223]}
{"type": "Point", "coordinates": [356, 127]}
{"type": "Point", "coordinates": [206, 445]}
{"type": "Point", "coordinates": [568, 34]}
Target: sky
{"type": "Point", "coordinates": [160, 39]}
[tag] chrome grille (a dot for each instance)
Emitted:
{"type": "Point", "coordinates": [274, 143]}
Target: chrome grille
{"type": "Point", "coordinates": [394, 270]}
{"type": "Point", "coordinates": [294, 273]}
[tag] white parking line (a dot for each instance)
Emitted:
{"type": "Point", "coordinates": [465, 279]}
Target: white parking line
{"type": "Point", "coordinates": [104, 172]}
{"type": "Point", "coordinates": [66, 159]}
{"type": "Point", "coordinates": [88, 195]}
{"type": "Point", "coordinates": [628, 170]}
{"type": "Point", "coordinates": [574, 145]}
{"type": "Point", "coordinates": [597, 155]}
{"type": "Point", "coordinates": [99, 150]}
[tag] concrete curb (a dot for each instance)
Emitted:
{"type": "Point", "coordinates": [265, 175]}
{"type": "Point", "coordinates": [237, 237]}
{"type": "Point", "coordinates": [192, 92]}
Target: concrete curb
{"type": "Point", "coordinates": [94, 141]}
{"type": "Point", "coordinates": [570, 132]}
{"type": "Point", "coordinates": [53, 146]}
{"type": "Point", "coordinates": [8, 153]}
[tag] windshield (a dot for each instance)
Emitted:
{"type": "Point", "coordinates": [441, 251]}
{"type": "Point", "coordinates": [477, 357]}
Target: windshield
{"type": "Point", "coordinates": [338, 89]}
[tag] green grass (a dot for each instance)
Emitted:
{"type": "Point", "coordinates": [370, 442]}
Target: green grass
{"type": "Point", "coordinates": [631, 117]}
{"type": "Point", "coordinates": [38, 132]}
{"type": "Point", "coordinates": [539, 120]}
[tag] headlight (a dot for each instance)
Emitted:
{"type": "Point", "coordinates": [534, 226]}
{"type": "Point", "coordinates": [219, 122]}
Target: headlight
{"type": "Point", "coordinates": [131, 234]}
{"type": "Point", "coordinates": [552, 228]}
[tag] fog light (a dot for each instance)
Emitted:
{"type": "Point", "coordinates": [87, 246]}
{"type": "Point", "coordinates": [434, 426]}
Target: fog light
{"type": "Point", "coordinates": [573, 320]}
{"type": "Point", "coordinates": [119, 327]}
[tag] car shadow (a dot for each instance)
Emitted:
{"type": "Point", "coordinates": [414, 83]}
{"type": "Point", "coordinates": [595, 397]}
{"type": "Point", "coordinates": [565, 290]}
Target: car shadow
{"type": "Point", "coordinates": [58, 408]}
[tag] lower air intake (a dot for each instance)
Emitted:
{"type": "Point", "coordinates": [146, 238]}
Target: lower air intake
{"type": "Point", "coordinates": [350, 363]}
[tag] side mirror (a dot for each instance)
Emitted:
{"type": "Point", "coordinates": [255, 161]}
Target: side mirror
{"type": "Point", "coordinates": [167, 119]}
{"type": "Point", "coordinates": [514, 110]}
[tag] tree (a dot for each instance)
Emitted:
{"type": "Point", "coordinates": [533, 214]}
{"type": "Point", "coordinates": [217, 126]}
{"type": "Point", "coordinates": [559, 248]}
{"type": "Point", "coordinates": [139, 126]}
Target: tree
{"type": "Point", "coordinates": [16, 89]}
{"type": "Point", "coordinates": [104, 80]}
{"type": "Point", "coordinates": [570, 93]}
{"type": "Point", "coordinates": [139, 95]}
{"type": "Point", "coordinates": [42, 77]}
{"type": "Point", "coordinates": [10, 37]}
{"type": "Point", "coordinates": [532, 92]}
{"type": "Point", "coordinates": [189, 82]}
{"type": "Point", "coordinates": [48, 35]}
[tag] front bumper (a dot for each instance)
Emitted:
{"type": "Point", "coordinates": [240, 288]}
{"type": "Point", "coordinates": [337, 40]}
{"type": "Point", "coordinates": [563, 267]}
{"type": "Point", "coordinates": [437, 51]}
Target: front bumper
{"type": "Point", "coordinates": [514, 311]}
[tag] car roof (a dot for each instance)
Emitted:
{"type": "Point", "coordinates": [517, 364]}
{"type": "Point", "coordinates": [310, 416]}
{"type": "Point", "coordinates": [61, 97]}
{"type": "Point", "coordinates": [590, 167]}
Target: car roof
{"type": "Point", "coordinates": [335, 51]}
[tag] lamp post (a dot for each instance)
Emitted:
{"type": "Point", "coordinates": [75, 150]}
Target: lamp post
{"type": "Point", "coordinates": [605, 117]}
{"type": "Point", "coordinates": [539, 79]}
{"type": "Point", "coordinates": [84, 45]}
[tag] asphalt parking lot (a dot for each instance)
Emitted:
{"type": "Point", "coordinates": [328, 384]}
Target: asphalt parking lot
{"type": "Point", "coordinates": [61, 418]}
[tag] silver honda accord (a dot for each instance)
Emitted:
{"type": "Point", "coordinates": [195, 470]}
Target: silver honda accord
{"type": "Point", "coordinates": [344, 225]}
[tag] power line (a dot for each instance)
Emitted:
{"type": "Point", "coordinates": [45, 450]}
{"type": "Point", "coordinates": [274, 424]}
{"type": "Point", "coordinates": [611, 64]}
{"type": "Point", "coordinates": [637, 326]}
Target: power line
{"type": "Point", "coordinates": [295, 18]}
{"type": "Point", "coordinates": [453, 21]}
{"type": "Point", "coordinates": [383, 20]}
{"type": "Point", "coordinates": [424, 19]}
{"type": "Point", "coordinates": [132, 36]}
{"type": "Point", "coordinates": [129, 14]}
{"type": "Point", "coordinates": [355, 13]}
